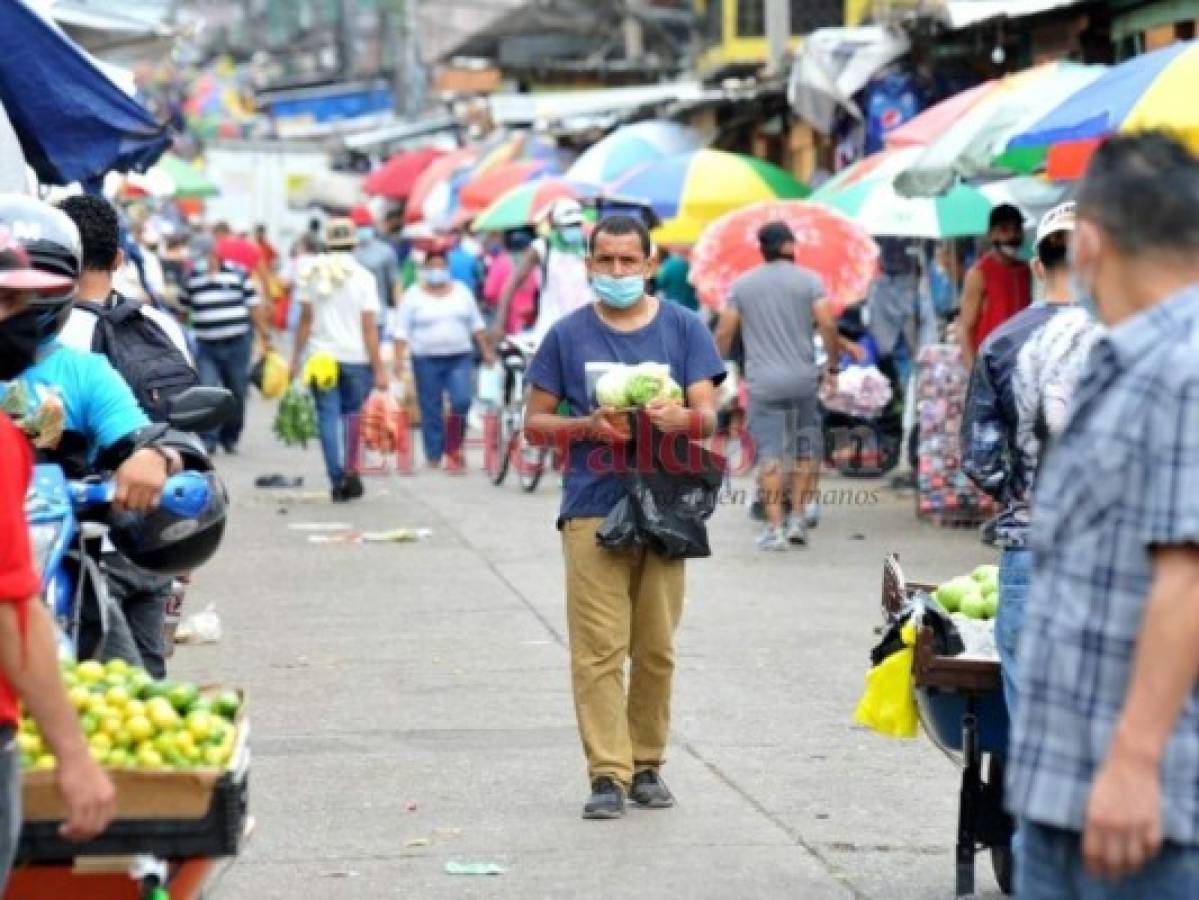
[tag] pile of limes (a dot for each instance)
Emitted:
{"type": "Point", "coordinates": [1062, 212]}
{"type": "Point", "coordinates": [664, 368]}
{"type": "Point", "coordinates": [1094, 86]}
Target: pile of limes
{"type": "Point", "coordinates": [132, 721]}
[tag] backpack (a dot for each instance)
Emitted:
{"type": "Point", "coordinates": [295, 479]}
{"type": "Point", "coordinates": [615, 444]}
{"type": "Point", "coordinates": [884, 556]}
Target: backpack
{"type": "Point", "coordinates": [143, 353]}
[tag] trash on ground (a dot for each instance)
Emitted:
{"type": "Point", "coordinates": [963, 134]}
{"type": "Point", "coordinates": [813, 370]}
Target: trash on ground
{"type": "Point", "coordinates": [418, 842]}
{"type": "Point", "coordinates": [201, 628]}
{"type": "Point", "coordinates": [320, 526]}
{"type": "Point", "coordinates": [459, 868]}
{"type": "Point", "coordinates": [392, 536]}
{"type": "Point", "coordinates": [339, 873]}
{"type": "Point", "coordinates": [410, 806]}
{"type": "Point", "coordinates": [279, 480]}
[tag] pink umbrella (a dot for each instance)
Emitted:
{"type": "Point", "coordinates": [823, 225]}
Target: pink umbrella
{"type": "Point", "coordinates": [826, 242]}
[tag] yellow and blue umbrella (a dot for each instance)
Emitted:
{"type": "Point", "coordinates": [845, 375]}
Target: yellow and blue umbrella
{"type": "Point", "coordinates": [691, 190]}
{"type": "Point", "coordinates": [1154, 91]}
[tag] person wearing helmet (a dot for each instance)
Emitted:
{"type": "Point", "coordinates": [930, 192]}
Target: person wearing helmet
{"type": "Point", "coordinates": [561, 258]}
{"type": "Point", "coordinates": [101, 423]}
{"type": "Point", "coordinates": [28, 655]}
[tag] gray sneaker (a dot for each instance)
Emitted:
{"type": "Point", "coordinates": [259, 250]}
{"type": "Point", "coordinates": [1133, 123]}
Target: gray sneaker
{"type": "Point", "coordinates": [650, 791]}
{"type": "Point", "coordinates": [772, 539]}
{"type": "Point", "coordinates": [797, 531]}
{"type": "Point", "coordinates": [606, 800]}
{"type": "Point", "coordinates": [811, 514]}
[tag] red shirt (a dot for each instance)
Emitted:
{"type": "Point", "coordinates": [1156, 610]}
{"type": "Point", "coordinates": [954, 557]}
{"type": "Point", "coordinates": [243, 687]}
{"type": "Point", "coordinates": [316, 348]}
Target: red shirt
{"type": "Point", "coordinates": [242, 251]}
{"type": "Point", "coordinates": [1007, 289]}
{"type": "Point", "coordinates": [18, 578]}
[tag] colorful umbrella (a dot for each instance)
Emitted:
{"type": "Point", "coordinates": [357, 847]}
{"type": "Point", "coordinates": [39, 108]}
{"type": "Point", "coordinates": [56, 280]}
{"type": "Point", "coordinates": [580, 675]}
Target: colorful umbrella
{"type": "Point", "coordinates": [826, 242]}
{"type": "Point", "coordinates": [396, 177]}
{"type": "Point", "coordinates": [524, 205]}
{"type": "Point", "coordinates": [482, 190]}
{"type": "Point", "coordinates": [185, 180]}
{"type": "Point", "coordinates": [1156, 90]}
{"type": "Point", "coordinates": [631, 146]}
{"type": "Point", "coordinates": [690, 190]}
{"type": "Point", "coordinates": [873, 202]}
{"type": "Point", "coordinates": [517, 147]}
{"type": "Point", "coordinates": [939, 118]}
{"type": "Point", "coordinates": [431, 198]}
{"type": "Point", "coordinates": [968, 148]}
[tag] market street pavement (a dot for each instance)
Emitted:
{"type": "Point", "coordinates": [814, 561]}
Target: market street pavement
{"type": "Point", "coordinates": [411, 704]}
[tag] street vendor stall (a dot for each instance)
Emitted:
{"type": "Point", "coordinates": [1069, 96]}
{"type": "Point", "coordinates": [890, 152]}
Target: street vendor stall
{"type": "Point", "coordinates": [179, 759]}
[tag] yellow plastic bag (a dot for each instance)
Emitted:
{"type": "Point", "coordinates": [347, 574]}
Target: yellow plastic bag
{"type": "Point", "coordinates": [274, 375]}
{"type": "Point", "coordinates": [320, 371]}
{"type": "Point", "coordinates": [889, 703]}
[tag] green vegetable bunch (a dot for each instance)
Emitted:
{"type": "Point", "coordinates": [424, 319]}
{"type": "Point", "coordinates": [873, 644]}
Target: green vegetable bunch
{"type": "Point", "coordinates": [295, 422]}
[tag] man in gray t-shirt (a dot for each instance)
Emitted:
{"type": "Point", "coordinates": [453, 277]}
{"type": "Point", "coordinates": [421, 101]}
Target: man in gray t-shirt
{"type": "Point", "coordinates": [778, 306]}
{"type": "Point", "coordinates": [379, 258]}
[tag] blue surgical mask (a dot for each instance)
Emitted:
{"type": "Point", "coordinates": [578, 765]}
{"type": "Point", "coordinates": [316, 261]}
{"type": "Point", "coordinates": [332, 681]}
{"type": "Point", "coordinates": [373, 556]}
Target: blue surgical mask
{"type": "Point", "coordinates": [435, 277]}
{"type": "Point", "coordinates": [618, 293]}
{"type": "Point", "coordinates": [1084, 294]}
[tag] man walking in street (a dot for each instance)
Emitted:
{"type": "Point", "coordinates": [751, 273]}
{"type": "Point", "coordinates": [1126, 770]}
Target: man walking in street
{"type": "Point", "coordinates": [618, 603]}
{"type": "Point", "coordinates": [998, 286]}
{"type": "Point", "coordinates": [378, 258]}
{"type": "Point", "coordinates": [225, 311]}
{"type": "Point", "coordinates": [778, 307]}
{"type": "Point", "coordinates": [340, 316]}
{"type": "Point", "coordinates": [1020, 391]}
{"type": "Point", "coordinates": [1104, 760]}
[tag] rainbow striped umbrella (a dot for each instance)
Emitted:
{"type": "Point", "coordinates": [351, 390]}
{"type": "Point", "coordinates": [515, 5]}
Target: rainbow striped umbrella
{"type": "Point", "coordinates": [690, 190]}
{"type": "Point", "coordinates": [631, 146]}
{"type": "Point", "coordinates": [1154, 91]}
{"type": "Point", "coordinates": [523, 205]}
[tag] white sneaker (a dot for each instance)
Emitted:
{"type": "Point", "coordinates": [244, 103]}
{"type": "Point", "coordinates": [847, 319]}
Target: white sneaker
{"type": "Point", "coordinates": [811, 514]}
{"type": "Point", "coordinates": [797, 531]}
{"type": "Point", "coordinates": [772, 540]}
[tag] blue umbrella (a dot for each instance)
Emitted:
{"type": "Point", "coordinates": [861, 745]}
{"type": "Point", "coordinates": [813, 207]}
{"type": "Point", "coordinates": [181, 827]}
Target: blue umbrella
{"type": "Point", "coordinates": [73, 123]}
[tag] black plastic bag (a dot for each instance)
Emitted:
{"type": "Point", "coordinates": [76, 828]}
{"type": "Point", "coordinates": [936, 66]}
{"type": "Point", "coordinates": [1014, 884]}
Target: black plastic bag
{"type": "Point", "coordinates": [671, 492]}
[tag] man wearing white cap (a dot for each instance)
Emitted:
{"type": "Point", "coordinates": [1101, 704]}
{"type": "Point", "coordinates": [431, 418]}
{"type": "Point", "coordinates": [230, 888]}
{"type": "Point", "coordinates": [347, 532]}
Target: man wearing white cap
{"type": "Point", "coordinates": [1019, 395]}
{"type": "Point", "coordinates": [561, 258]}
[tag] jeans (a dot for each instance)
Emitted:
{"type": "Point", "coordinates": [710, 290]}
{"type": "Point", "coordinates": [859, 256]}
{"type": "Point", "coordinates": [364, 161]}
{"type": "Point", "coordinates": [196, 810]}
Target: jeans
{"type": "Point", "coordinates": [435, 377]}
{"type": "Point", "coordinates": [142, 597]}
{"type": "Point", "coordinates": [336, 417]}
{"type": "Point", "coordinates": [1052, 868]}
{"type": "Point", "coordinates": [10, 800]}
{"type": "Point", "coordinates": [227, 364]}
{"type": "Point", "coordinates": [1015, 576]}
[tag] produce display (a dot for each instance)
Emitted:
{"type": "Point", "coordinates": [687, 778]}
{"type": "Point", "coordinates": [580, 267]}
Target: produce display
{"type": "Point", "coordinates": [295, 422]}
{"type": "Point", "coordinates": [132, 721]}
{"type": "Point", "coordinates": [975, 596]}
{"type": "Point", "coordinates": [945, 492]}
{"type": "Point", "coordinates": [624, 387]}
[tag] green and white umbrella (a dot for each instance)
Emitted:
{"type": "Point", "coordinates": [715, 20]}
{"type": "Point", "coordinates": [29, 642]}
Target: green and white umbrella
{"type": "Point", "coordinates": [866, 194]}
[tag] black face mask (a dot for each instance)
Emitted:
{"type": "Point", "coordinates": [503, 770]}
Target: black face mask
{"type": "Point", "coordinates": [20, 336]}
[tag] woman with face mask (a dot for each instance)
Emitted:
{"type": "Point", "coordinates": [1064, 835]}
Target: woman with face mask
{"type": "Point", "coordinates": [436, 322]}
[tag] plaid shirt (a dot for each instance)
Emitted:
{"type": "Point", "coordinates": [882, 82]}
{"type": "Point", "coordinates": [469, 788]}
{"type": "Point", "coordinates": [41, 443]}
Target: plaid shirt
{"type": "Point", "coordinates": [1123, 478]}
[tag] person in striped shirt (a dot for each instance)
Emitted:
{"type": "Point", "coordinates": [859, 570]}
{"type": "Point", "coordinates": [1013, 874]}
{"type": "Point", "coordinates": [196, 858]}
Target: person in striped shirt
{"type": "Point", "coordinates": [225, 312]}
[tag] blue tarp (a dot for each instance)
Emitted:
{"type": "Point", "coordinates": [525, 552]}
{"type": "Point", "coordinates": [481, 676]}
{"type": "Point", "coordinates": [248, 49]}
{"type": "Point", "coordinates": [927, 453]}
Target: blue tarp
{"type": "Point", "coordinates": [73, 123]}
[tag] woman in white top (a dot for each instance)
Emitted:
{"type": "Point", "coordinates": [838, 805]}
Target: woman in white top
{"type": "Point", "coordinates": [436, 321]}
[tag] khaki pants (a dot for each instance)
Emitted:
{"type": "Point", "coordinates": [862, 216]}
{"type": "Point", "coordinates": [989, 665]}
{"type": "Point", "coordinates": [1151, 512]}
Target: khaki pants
{"type": "Point", "coordinates": [620, 605]}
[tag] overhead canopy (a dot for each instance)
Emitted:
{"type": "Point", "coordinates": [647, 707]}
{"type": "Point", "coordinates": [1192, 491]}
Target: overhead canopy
{"type": "Point", "coordinates": [523, 109]}
{"type": "Point", "coordinates": [73, 123]}
{"type": "Point", "coordinates": [965, 13]}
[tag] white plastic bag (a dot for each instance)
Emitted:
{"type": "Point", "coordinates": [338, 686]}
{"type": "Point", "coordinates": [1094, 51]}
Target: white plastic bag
{"type": "Point", "coordinates": [202, 628]}
{"type": "Point", "coordinates": [491, 385]}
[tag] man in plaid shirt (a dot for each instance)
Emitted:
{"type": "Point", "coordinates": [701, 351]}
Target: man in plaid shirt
{"type": "Point", "coordinates": [1104, 760]}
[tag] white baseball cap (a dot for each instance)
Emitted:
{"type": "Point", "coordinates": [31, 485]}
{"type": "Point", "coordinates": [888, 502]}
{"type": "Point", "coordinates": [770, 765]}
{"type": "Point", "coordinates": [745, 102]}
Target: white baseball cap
{"type": "Point", "coordinates": [564, 212]}
{"type": "Point", "coordinates": [1060, 218]}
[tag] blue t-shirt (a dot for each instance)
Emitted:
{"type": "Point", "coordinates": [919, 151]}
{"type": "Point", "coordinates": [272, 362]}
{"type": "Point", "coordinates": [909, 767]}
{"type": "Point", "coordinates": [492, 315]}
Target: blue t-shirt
{"type": "Point", "coordinates": [97, 402]}
{"type": "Point", "coordinates": [561, 367]}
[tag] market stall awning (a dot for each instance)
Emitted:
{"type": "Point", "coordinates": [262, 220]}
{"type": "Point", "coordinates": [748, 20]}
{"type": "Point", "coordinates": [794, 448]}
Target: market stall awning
{"type": "Point", "coordinates": [966, 13]}
{"type": "Point", "coordinates": [73, 123]}
{"type": "Point", "coordinates": [524, 109]}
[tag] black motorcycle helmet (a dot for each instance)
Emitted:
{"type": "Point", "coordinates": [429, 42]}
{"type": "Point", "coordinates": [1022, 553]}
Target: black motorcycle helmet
{"type": "Point", "coordinates": [51, 240]}
{"type": "Point", "coordinates": [171, 542]}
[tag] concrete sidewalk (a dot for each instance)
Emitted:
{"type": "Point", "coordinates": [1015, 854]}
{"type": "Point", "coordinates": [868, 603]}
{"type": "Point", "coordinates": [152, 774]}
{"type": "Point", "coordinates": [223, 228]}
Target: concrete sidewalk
{"type": "Point", "coordinates": [411, 704]}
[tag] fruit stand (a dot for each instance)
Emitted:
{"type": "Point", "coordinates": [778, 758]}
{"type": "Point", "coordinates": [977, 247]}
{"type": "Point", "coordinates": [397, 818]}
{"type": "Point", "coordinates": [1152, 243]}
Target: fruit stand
{"type": "Point", "coordinates": [962, 710]}
{"type": "Point", "coordinates": [178, 756]}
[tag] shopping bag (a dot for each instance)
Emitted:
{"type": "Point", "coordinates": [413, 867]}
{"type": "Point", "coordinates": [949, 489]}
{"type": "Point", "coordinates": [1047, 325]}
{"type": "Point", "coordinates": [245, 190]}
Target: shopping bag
{"type": "Point", "coordinates": [671, 490]}
{"type": "Point", "coordinates": [491, 385]}
{"type": "Point", "coordinates": [888, 704]}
